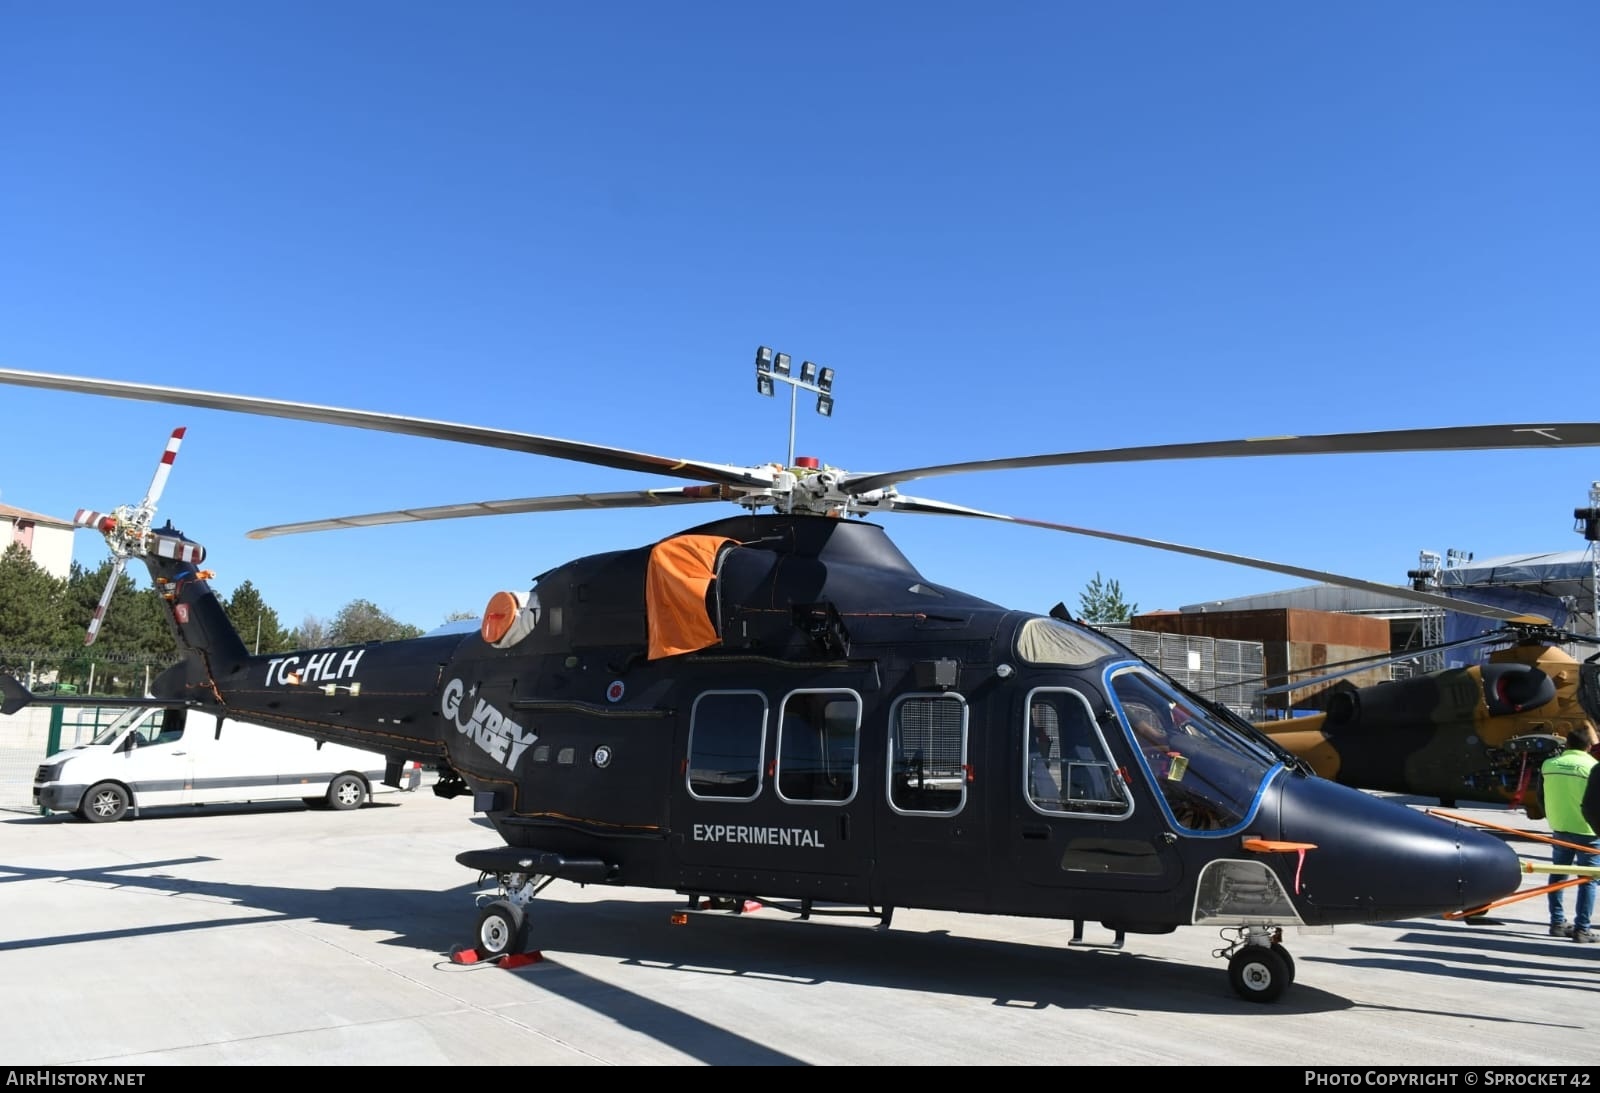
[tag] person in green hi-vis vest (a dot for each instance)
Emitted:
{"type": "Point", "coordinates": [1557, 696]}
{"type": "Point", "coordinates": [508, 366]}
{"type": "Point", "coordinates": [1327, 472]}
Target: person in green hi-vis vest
{"type": "Point", "coordinates": [1566, 778]}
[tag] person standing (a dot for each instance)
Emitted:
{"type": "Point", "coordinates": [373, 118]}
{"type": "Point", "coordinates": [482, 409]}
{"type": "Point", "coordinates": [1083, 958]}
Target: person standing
{"type": "Point", "coordinates": [1566, 778]}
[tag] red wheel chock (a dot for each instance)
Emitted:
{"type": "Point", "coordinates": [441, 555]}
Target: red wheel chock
{"type": "Point", "coordinates": [466, 954]}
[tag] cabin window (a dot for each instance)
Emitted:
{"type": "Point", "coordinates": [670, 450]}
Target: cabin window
{"type": "Point", "coordinates": [817, 745]}
{"type": "Point", "coordinates": [928, 754]}
{"type": "Point", "coordinates": [727, 740]}
{"type": "Point", "coordinates": [1068, 767]}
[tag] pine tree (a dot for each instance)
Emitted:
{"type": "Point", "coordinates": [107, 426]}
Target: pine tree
{"type": "Point", "coordinates": [257, 623]}
{"type": "Point", "coordinates": [31, 620]}
{"type": "Point", "coordinates": [1101, 601]}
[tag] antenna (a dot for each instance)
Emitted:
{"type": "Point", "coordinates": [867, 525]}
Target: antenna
{"type": "Point", "coordinates": [771, 368]}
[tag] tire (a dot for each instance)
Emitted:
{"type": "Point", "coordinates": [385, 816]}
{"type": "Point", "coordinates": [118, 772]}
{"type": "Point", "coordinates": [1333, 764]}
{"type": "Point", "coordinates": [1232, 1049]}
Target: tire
{"type": "Point", "coordinates": [106, 802]}
{"type": "Point", "coordinates": [502, 930]}
{"type": "Point", "coordinates": [1259, 973]}
{"type": "Point", "coordinates": [346, 792]}
{"type": "Point", "coordinates": [1288, 960]}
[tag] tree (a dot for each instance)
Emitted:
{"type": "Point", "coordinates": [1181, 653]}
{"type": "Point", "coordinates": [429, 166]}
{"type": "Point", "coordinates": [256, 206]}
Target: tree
{"type": "Point", "coordinates": [1101, 601]}
{"type": "Point", "coordinates": [31, 620]}
{"type": "Point", "coordinates": [135, 621]}
{"type": "Point", "coordinates": [362, 620]}
{"type": "Point", "coordinates": [254, 620]}
{"type": "Point", "coordinates": [135, 638]}
{"type": "Point", "coordinates": [312, 634]}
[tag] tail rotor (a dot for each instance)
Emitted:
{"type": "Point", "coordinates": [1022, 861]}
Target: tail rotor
{"type": "Point", "coordinates": [127, 532]}
{"type": "Point", "coordinates": [105, 601]}
{"type": "Point", "coordinates": [163, 469]}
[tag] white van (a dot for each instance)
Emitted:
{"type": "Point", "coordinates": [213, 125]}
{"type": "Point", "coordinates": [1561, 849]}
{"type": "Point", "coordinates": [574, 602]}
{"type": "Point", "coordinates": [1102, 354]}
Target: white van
{"type": "Point", "coordinates": [184, 756]}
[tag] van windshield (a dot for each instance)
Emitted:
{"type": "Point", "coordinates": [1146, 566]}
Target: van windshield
{"type": "Point", "coordinates": [149, 725]}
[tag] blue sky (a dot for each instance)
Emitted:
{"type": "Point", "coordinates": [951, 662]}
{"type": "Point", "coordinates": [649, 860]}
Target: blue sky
{"type": "Point", "coordinates": [1010, 228]}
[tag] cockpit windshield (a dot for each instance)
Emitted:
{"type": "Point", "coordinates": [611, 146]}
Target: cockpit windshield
{"type": "Point", "coordinates": [1208, 772]}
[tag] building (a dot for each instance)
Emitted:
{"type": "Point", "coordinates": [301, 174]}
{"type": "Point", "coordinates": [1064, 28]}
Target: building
{"type": "Point", "coordinates": [46, 538]}
{"type": "Point", "coordinates": [1558, 585]}
{"type": "Point", "coordinates": [1293, 643]}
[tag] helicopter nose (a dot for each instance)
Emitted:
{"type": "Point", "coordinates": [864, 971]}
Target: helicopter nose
{"type": "Point", "coordinates": [1377, 860]}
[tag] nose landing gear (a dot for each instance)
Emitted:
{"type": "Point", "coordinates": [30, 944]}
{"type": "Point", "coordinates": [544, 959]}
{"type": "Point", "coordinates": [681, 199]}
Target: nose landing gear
{"type": "Point", "coordinates": [1260, 969]}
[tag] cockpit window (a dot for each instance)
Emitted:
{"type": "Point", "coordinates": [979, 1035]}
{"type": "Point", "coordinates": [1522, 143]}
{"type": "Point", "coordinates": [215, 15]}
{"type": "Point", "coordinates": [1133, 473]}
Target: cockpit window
{"type": "Point", "coordinates": [1053, 642]}
{"type": "Point", "coordinates": [1208, 772]}
{"type": "Point", "coordinates": [1069, 769]}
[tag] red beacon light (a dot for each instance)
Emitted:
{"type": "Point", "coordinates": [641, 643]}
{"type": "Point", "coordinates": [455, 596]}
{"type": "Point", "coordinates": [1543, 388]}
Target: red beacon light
{"type": "Point", "coordinates": [807, 462]}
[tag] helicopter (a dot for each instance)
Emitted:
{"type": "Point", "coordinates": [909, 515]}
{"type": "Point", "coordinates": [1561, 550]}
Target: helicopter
{"type": "Point", "coordinates": [777, 708]}
{"type": "Point", "coordinates": [1474, 733]}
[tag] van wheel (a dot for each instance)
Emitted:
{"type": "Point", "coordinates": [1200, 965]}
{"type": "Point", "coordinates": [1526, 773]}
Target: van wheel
{"type": "Point", "coordinates": [346, 792]}
{"type": "Point", "coordinates": [104, 803]}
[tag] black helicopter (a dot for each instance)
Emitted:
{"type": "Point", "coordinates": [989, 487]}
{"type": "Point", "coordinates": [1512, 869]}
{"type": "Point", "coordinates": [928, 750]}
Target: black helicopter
{"type": "Point", "coordinates": [777, 706]}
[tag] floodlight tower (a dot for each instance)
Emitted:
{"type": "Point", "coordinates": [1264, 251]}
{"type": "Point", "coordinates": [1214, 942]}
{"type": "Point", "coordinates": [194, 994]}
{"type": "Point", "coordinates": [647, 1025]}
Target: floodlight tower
{"type": "Point", "coordinates": [1587, 524]}
{"type": "Point", "coordinates": [771, 368]}
{"type": "Point", "coordinates": [1425, 578]}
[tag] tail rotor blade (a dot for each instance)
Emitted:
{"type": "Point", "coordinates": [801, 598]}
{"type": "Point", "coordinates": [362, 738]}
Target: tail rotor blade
{"type": "Point", "coordinates": [105, 601]}
{"type": "Point", "coordinates": [163, 469]}
{"type": "Point", "coordinates": [98, 521]}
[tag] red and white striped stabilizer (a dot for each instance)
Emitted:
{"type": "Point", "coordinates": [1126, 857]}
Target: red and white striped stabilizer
{"type": "Point", "coordinates": [181, 550]}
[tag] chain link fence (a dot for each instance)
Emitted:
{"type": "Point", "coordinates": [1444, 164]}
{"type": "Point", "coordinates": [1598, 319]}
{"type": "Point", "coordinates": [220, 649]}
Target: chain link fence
{"type": "Point", "coordinates": [1222, 669]}
{"type": "Point", "coordinates": [30, 735]}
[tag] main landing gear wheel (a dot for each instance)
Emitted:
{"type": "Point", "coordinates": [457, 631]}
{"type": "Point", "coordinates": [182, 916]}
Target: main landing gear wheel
{"type": "Point", "coordinates": [104, 803]}
{"type": "Point", "coordinates": [1260, 973]}
{"type": "Point", "coordinates": [502, 930]}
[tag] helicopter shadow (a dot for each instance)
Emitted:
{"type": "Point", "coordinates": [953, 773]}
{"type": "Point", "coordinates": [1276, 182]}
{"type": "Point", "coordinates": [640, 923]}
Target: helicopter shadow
{"type": "Point", "coordinates": [771, 944]}
{"type": "Point", "coordinates": [1501, 953]}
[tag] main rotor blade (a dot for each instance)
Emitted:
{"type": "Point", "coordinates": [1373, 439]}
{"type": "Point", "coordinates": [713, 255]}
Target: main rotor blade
{"type": "Point", "coordinates": [578, 451]}
{"type": "Point", "coordinates": [628, 499]}
{"type": "Point", "coordinates": [99, 615]}
{"type": "Point", "coordinates": [1453, 438]}
{"type": "Point", "coordinates": [940, 508]}
{"type": "Point", "coordinates": [163, 469]}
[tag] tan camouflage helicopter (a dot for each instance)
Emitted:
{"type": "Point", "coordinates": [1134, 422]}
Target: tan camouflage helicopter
{"type": "Point", "coordinates": [1475, 733]}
